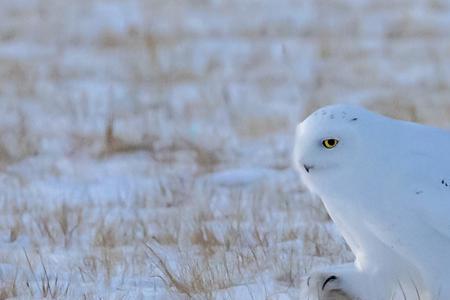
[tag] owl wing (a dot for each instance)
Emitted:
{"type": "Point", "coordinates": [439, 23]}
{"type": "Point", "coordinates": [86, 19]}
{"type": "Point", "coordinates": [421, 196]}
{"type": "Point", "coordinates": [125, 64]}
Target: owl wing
{"type": "Point", "coordinates": [424, 161]}
{"type": "Point", "coordinates": [429, 190]}
{"type": "Point", "coordinates": [432, 205]}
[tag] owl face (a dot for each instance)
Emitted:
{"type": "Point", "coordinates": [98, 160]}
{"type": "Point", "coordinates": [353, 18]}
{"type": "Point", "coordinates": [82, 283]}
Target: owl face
{"type": "Point", "coordinates": [328, 144]}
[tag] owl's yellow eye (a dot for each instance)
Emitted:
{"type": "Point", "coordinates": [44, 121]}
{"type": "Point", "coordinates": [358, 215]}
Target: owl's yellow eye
{"type": "Point", "coordinates": [330, 143]}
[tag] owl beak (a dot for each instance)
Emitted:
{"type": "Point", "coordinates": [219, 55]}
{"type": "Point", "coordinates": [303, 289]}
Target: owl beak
{"type": "Point", "coordinates": [308, 167]}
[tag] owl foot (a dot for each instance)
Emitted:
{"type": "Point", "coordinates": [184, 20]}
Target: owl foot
{"type": "Point", "coordinates": [327, 286]}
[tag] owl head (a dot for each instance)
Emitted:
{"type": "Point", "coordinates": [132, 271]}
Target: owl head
{"type": "Point", "coordinates": [334, 145]}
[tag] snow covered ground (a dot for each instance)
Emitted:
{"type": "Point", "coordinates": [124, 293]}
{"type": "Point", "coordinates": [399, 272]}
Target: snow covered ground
{"type": "Point", "coordinates": [145, 146]}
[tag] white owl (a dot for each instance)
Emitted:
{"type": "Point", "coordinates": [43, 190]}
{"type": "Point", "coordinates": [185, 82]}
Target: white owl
{"type": "Point", "coordinates": [386, 185]}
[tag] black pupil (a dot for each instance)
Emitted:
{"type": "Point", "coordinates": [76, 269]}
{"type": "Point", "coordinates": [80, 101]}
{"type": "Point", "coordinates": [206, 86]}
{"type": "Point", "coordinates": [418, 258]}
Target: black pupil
{"type": "Point", "coordinates": [331, 142]}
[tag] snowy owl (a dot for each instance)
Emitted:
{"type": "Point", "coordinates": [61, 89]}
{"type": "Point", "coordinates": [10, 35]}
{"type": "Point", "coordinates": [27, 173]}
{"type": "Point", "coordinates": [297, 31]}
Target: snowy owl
{"type": "Point", "coordinates": [386, 185]}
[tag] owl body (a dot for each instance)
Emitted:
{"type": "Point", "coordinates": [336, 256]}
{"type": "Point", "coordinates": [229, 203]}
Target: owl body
{"type": "Point", "coordinates": [386, 185]}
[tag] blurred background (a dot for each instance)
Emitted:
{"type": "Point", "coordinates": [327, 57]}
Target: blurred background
{"type": "Point", "coordinates": [145, 146]}
{"type": "Point", "coordinates": [214, 71]}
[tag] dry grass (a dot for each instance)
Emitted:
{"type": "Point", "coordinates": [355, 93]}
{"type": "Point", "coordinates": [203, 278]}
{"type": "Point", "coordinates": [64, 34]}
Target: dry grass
{"type": "Point", "coordinates": [44, 286]}
{"type": "Point", "coordinates": [211, 253]}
